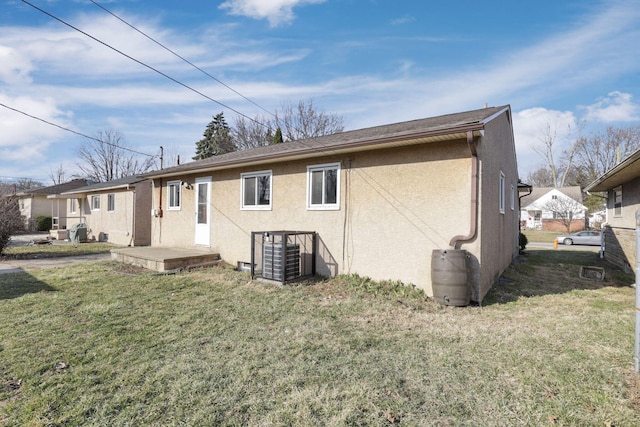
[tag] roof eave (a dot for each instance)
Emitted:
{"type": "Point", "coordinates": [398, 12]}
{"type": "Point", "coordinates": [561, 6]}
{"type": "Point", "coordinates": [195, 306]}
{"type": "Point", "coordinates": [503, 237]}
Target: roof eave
{"type": "Point", "coordinates": [311, 152]}
{"type": "Point", "coordinates": [615, 176]}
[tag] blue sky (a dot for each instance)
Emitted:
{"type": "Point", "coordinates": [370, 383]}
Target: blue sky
{"type": "Point", "coordinates": [371, 61]}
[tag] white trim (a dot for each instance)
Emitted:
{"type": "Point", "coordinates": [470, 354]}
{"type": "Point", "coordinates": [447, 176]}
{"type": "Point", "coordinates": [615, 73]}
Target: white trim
{"type": "Point", "coordinates": [178, 206]}
{"type": "Point", "coordinates": [323, 206]}
{"type": "Point", "coordinates": [202, 235]}
{"type": "Point", "coordinates": [501, 191]}
{"type": "Point", "coordinates": [256, 175]}
{"type": "Point", "coordinates": [95, 197]}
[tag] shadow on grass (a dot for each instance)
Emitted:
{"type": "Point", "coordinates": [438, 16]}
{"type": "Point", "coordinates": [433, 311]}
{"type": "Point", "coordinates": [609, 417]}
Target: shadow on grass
{"type": "Point", "coordinates": [15, 285]}
{"type": "Point", "coordinates": [540, 272]}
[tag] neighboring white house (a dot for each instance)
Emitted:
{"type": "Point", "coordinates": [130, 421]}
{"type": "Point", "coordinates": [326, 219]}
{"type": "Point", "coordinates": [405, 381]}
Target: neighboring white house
{"type": "Point", "coordinates": [549, 208]}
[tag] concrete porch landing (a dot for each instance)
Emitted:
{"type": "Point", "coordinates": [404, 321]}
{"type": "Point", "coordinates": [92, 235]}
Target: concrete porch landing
{"type": "Point", "coordinates": [165, 258]}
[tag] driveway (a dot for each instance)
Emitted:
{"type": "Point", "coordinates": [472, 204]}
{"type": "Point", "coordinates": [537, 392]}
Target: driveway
{"type": "Point", "coordinates": [19, 265]}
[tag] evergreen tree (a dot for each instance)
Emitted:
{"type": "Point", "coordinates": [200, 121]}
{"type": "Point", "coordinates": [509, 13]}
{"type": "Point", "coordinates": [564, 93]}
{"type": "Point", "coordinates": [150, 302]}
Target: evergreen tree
{"type": "Point", "coordinates": [277, 138]}
{"type": "Point", "coordinates": [217, 139]}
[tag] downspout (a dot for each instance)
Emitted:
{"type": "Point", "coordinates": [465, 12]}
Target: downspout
{"type": "Point", "coordinates": [457, 241]}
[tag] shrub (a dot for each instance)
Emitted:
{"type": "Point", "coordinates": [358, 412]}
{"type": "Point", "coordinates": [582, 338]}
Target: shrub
{"type": "Point", "coordinates": [522, 241]}
{"type": "Point", "coordinates": [43, 223]}
{"type": "Point", "coordinates": [10, 220]}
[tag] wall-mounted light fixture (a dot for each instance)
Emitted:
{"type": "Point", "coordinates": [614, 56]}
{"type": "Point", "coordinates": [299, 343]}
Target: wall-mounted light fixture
{"type": "Point", "coordinates": [186, 185]}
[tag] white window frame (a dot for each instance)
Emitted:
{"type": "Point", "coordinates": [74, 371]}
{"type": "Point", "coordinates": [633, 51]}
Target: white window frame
{"type": "Point", "coordinates": [501, 191]}
{"type": "Point", "coordinates": [256, 175]}
{"type": "Point", "coordinates": [73, 205]}
{"type": "Point", "coordinates": [323, 167]}
{"type": "Point", "coordinates": [111, 202]}
{"type": "Point", "coordinates": [617, 200]}
{"type": "Point", "coordinates": [513, 197]}
{"type": "Point", "coordinates": [95, 202]}
{"type": "Point", "coordinates": [172, 205]}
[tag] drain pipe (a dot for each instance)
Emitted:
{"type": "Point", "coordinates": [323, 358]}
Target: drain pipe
{"type": "Point", "coordinates": [457, 241]}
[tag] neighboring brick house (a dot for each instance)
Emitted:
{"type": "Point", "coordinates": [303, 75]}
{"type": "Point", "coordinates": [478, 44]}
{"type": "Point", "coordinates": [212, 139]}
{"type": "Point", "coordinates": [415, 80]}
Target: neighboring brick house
{"type": "Point", "coordinates": [381, 200]}
{"type": "Point", "coordinates": [35, 203]}
{"type": "Point", "coordinates": [553, 209]}
{"type": "Point", "coordinates": [621, 184]}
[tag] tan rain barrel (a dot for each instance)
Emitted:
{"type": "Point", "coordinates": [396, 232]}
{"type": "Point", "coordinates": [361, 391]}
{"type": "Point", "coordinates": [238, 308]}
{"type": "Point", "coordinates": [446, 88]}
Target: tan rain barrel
{"type": "Point", "coordinates": [449, 277]}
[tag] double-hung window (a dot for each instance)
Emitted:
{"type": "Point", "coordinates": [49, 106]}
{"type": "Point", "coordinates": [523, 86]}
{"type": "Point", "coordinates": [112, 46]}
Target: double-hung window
{"type": "Point", "coordinates": [73, 205]}
{"type": "Point", "coordinates": [256, 190]}
{"type": "Point", "coordinates": [173, 195]}
{"type": "Point", "coordinates": [95, 203]}
{"type": "Point", "coordinates": [111, 202]}
{"type": "Point", "coordinates": [617, 201]}
{"type": "Point", "coordinates": [323, 186]}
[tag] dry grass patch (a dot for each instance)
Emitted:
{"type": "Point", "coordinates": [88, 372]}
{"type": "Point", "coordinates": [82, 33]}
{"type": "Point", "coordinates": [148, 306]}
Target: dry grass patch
{"type": "Point", "coordinates": [89, 345]}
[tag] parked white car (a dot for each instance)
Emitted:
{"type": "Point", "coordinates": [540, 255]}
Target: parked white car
{"type": "Point", "coordinates": [581, 238]}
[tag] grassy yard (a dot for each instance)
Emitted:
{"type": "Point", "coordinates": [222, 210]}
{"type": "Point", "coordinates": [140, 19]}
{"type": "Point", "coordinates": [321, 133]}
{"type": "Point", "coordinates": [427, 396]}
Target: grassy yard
{"type": "Point", "coordinates": [97, 344]}
{"type": "Point", "coordinates": [59, 249]}
{"type": "Point", "coordinates": [541, 236]}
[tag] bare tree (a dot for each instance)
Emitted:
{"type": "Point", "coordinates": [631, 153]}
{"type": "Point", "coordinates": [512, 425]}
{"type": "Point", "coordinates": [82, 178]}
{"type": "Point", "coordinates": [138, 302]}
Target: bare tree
{"type": "Point", "coordinates": [303, 121]}
{"type": "Point", "coordinates": [10, 220]}
{"type": "Point", "coordinates": [559, 163]}
{"type": "Point", "coordinates": [603, 150]}
{"type": "Point", "coordinates": [564, 209]}
{"type": "Point", "coordinates": [108, 158]}
{"type": "Point", "coordinates": [540, 177]}
{"type": "Point", "coordinates": [252, 133]}
{"type": "Point", "coordinates": [58, 176]}
{"type": "Point", "coordinates": [292, 122]}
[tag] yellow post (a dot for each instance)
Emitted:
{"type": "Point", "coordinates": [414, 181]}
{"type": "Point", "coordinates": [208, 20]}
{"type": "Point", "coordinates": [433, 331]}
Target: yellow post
{"type": "Point", "coordinates": [555, 243]}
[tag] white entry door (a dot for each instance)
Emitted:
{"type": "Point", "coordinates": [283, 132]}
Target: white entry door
{"type": "Point", "coordinates": [203, 211]}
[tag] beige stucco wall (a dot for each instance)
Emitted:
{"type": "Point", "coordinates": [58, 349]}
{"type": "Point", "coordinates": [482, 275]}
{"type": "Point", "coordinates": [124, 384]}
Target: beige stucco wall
{"type": "Point", "coordinates": [40, 205]}
{"type": "Point", "coordinates": [396, 206]}
{"type": "Point", "coordinates": [102, 225]}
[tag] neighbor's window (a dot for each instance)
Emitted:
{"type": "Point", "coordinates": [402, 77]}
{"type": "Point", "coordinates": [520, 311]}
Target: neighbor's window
{"type": "Point", "coordinates": [323, 186]}
{"type": "Point", "coordinates": [111, 202]}
{"type": "Point", "coordinates": [256, 190]}
{"type": "Point", "coordinates": [173, 195]}
{"type": "Point", "coordinates": [501, 195]}
{"type": "Point", "coordinates": [73, 205]}
{"type": "Point", "coordinates": [95, 203]}
{"type": "Point", "coordinates": [617, 201]}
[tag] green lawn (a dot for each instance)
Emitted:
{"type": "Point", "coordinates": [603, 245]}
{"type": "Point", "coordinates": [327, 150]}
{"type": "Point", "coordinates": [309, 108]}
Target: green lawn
{"type": "Point", "coordinates": [542, 236]}
{"type": "Point", "coordinates": [99, 345]}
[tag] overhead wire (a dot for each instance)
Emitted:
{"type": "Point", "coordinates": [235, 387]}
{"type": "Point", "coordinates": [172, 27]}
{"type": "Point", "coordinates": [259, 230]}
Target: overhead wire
{"type": "Point", "coordinates": [192, 89]}
{"type": "Point", "coordinates": [77, 133]}
{"type": "Point", "coordinates": [144, 64]}
{"type": "Point", "coordinates": [133, 27]}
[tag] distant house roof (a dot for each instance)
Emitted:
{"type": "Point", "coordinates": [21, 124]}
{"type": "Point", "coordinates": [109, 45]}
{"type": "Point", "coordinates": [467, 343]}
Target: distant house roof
{"type": "Point", "coordinates": [537, 192]}
{"type": "Point", "coordinates": [451, 126]}
{"type": "Point", "coordinates": [55, 189]}
{"type": "Point", "coordinates": [623, 172]}
{"type": "Point", "coordinates": [108, 185]}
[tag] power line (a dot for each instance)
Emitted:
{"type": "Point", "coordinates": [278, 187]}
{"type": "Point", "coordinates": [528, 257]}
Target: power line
{"type": "Point", "coordinates": [179, 56]}
{"type": "Point", "coordinates": [73, 131]}
{"type": "Point", "coordinates": [143, 64]}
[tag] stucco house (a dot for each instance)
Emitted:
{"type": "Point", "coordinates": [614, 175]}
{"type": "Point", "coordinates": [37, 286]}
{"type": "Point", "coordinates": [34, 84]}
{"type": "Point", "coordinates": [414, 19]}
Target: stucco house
{"type": "Point", "coordinates": [35, 202]}
{"type": "Point", "coordinates": [553, 209]}
{"type": "Point", "coordinates": [115, 211]}
{"type": "Point", "coordinates": [621, 185]}
{"type": "Point", "coordinates": [380, 200]}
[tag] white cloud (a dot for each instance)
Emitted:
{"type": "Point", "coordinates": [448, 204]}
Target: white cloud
{"type": "Point", "coordinates": [615, 107]}
{"type": "Point", "coordinates": [277, 12]}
